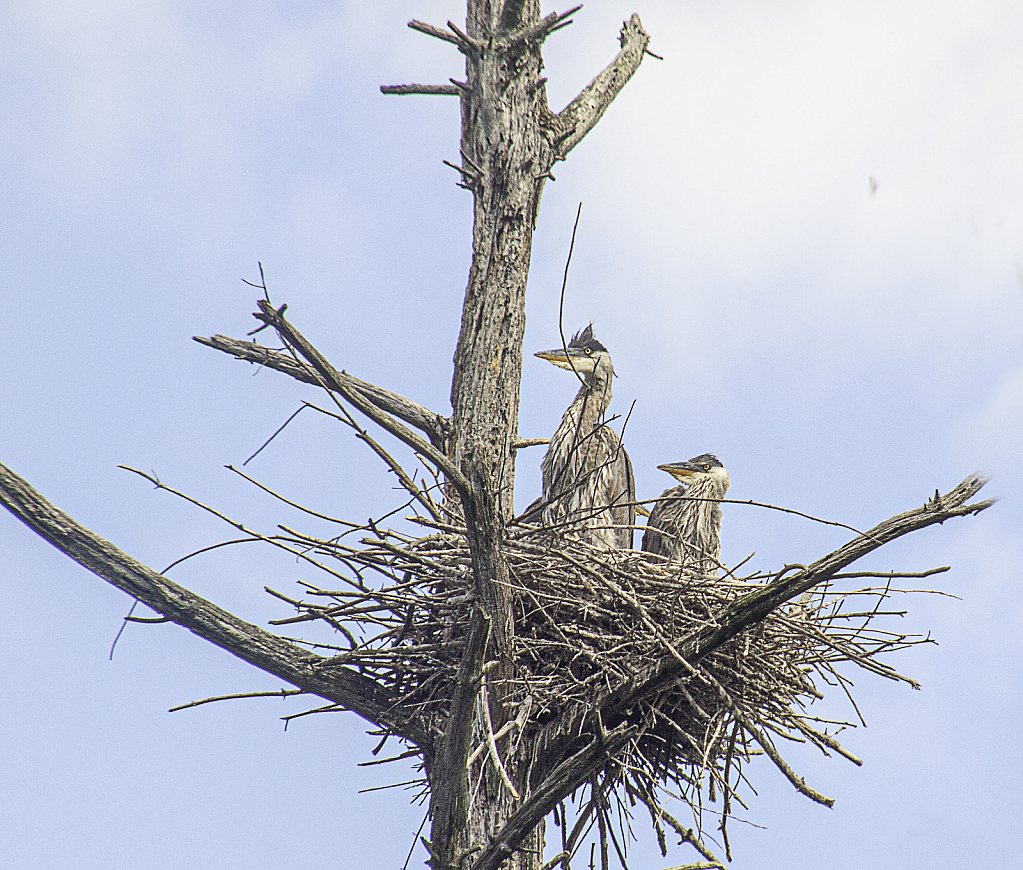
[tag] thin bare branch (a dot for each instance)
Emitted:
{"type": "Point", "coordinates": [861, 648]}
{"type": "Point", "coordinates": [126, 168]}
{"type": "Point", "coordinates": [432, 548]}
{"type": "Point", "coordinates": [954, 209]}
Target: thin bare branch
{"type": "Point", "coordinates": [892, 574]}
{"type": "Point", "coordinates": [277, 432]}
{"type": "Point", "coordinates": [290, 503]}
{"type": "Point", "coordinates": [408, 484]}
{"type": "Point", "coordinates": [828, 741]}
{"type": "Point", "coordinates": [332, 379]}
{"type": "Point", "coordinates": [698, 865]}
{"type": "Point", "coordinates": [751, 503]}
{"type": "Point", "coordinates": [556, 860]}
{"type": "Point", "coordinates": [282, 693]}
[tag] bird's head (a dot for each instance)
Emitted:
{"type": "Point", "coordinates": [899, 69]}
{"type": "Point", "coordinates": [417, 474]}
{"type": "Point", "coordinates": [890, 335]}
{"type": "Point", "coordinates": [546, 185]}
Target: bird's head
{"type": "Point", "coordinates": [584, 354]}
{"type": "Point", "coordinates": [706, 465]}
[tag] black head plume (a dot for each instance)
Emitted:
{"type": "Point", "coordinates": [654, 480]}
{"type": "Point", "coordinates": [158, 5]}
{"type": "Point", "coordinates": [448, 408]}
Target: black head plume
{"type": "Point", "coordinates": [586, 339]}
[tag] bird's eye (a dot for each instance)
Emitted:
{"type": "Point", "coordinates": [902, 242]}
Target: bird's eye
{"type": "Point", "coordinates": [588, 351]}
{"type": "Point", "coordinates": [706, 467]}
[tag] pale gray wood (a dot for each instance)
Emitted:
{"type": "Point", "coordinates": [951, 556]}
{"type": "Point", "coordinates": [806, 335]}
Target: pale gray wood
{"type": "Point", "coordinates": [579, 116]}
{"type": "Point", "coordinates": [510, 140]}
{"type": "Point", "coordinates": [406, 90]}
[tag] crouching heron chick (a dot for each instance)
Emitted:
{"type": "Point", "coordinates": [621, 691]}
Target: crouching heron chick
{"type": "Point", "coordinates": [588, 485]}
{"type": "Point", "coordinates": [685, 524]}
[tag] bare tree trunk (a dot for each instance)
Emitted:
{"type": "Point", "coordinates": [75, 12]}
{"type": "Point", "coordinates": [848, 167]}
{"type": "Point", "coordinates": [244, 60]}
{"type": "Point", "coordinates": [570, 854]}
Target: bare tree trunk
{"type": "Point", "coordinates": [510, 140]}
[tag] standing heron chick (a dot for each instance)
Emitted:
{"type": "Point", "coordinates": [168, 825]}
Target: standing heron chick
{"type": "Point", "coordinates": [587, 475]}
{"type": "Point", "coordinates": [685, 524]}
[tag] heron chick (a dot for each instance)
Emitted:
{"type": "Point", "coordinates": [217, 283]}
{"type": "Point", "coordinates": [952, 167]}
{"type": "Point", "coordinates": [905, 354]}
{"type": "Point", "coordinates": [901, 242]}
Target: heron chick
{"type": "Point", "coordinates": [587, 476]}
{"type": "Point", "coordinates": [685, 524]}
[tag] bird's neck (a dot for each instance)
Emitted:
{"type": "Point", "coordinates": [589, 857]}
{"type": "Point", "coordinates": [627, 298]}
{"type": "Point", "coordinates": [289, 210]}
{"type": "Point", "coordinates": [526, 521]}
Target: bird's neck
{"type": "Point", "coordinates": [594, 395]}
{"type": "Point", "coordinates": [721, 482]}
{"type": "Point", "coordinates": [710, 486]}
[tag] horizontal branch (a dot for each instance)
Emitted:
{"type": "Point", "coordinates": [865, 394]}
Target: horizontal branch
{"type": "Point", "coordinates": [519, 443]}
{"type": "Point", "coordinates": [582, 114]}
{"type": "Point", "coordinates": [753, 608]}
{"type": "Point", "coordinates": [246, 641]}
{"type": "Point", "coordinates": [425, 420]}
{"type": "Point", "coordinates": [280, 693]}
{"type": "Point", "coordinates": [403, 90]}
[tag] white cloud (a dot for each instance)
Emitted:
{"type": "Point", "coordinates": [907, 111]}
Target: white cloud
{"type": "Point", "coordinates": [755, 146]}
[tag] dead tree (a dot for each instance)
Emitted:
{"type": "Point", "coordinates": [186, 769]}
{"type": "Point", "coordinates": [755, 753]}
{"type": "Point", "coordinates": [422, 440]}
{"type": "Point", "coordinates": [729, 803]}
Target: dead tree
{"type": "Point", "coordinates": [523, 668]}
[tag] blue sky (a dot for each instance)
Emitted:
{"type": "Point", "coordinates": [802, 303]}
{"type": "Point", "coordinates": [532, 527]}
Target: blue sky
{"type": "Point", "coordinates": [844, 347]}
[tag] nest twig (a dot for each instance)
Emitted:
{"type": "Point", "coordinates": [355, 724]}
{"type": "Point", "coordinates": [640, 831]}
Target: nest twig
{"type": "Point", "coordinates": [588, 621]}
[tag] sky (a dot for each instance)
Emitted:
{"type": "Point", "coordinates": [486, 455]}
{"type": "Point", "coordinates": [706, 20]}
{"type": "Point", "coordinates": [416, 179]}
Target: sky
{"type": "Point", "coordinates": [801, 240]}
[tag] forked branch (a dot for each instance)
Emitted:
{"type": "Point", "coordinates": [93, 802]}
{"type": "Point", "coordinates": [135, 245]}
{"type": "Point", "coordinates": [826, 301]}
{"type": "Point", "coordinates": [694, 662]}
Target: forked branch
{"type": "Point", "coordinates": [541, 30]}
{"type": "Point", "coordinates": [425, 420]}
{"type": "Point", "coordinates": [453, 34]}
{"type": "Point", "coordinates": [332, 379]}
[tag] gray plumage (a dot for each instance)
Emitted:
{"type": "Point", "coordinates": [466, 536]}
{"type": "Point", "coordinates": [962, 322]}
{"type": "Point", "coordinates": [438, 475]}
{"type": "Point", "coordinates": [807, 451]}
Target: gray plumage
{"type": "Point", "coordinates": [683, 526]}
{"type": "Point", "coordinates": [587, 476]}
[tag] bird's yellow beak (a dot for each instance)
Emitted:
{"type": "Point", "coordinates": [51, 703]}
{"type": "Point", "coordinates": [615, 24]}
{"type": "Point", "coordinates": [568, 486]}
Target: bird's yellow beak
{"type": "Point", "coordinates": [678, 470]}
{"type": "Point", "coordinates": [561, 359]}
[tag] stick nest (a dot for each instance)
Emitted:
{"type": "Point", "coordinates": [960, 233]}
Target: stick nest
{"type": "Point", "coordinates": [589, 621]}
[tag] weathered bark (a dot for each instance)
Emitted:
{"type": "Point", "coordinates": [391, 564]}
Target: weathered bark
{"type": "Point", "coordinates": [510, 140]}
